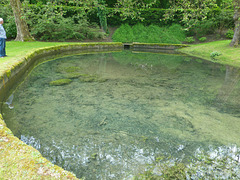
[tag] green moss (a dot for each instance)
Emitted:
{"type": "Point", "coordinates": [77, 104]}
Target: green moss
{"type": "Point", "coordinates": [73, 75]}
{"type": "Point", "coordinates": [91, 78]}
{"type": "Point", "coordinates": [161, 44]}
{"type": "Point", "coordinates": [8, 73]}
{"type": "Point", "coordinates": [60, 82]}
{"type": "Point", "coordinates": [94, 156]}
{"type": "Point", "coordinates": [72, 69]}
{"type": "Point", "coordinates": [88, 79]}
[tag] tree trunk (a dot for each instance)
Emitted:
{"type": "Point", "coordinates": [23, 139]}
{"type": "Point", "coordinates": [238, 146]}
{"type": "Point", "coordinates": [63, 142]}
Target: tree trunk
{"type": "Point", "coordinates": [236, 18]}
{"type": "Point", "coordinates": [23, 33]}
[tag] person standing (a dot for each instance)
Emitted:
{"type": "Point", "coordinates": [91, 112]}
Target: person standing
{"type": "Point", "coordinates": [3, 38]}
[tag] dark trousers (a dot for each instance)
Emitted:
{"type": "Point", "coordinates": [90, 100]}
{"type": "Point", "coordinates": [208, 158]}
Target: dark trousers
{"type": "Point", "coordinates": [2, 47]}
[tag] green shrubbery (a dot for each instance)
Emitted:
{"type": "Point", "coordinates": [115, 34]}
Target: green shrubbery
{"type": "Point", "coordinates": [79, 22]}
{"type": "Point", "coordinates": [50, 23]}
{"type": "Point", "coordinates": [149, 34]}
{"type": "Point", "coordinates": [229, 34]}
{"type": "Point", "coordinates": [190, 39]}
{"type": "Point", "coordinates": [9, 21]}
{"type": "Point", "coordinates": [215, 54]}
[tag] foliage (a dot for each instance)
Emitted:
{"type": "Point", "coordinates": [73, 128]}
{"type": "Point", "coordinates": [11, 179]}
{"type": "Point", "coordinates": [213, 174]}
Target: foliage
{"type": "Point", "coordinates": [190, 39]}
{"type": "Point", "coordinates": [102, 16]}
{"type": "Point", "coordinates": [204, 27]}
{"type": "Point", "coordinates": [223, 19]}
{"type": "Point", "coordinates": [149, 34]}
{"type": "Point", "coordinates": [229, 34]}
{"type": "Point", "coordinates": [9, 21]}
{"type": "Point", "coordinates": [123, 34]}
{"type": "Point", "coordinates": [192, 11]}
{"type": "Point", "coordinates": [49, 23]}
{"type": "Point", "coordinates": [202, 39]}
{"type": "Point", "coordinates": [132, 8]}
{"type": "Point", "coordinates": [214, 54]}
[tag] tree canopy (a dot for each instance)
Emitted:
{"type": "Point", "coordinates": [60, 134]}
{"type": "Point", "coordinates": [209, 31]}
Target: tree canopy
{"type": "Point", "coordinates": [192, 11]}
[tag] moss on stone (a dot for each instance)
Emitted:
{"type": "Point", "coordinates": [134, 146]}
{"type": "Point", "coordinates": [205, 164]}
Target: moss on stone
{"type": "Point", "coordinates": [72, 69]}
{"type": "Point", "coordinates": [60, 82]}
{"type": "Point", "coordinates": [8, 73]}
{"type": "Point", "coordinates": [91, 78]}
{"type": "Point", "coordinates": [73, 75]}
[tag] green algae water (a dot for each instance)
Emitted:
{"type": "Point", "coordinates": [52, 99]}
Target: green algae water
{"type": "Point", "coordinates": [120, 111]}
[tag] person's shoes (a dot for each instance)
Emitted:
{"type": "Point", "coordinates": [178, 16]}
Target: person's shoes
{"type": "Point", "coordinates": [2, 57]}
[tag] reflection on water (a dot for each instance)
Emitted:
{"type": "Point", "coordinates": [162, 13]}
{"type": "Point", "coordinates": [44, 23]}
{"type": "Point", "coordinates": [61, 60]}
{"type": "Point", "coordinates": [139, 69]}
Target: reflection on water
{"type": "Point", "coordinates": [123, 110]}
{"type": "Point", "coordinates": [9, 102]}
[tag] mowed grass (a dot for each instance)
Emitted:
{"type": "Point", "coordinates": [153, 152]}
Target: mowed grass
{"type": "Point", "coordinates": [229, 55]}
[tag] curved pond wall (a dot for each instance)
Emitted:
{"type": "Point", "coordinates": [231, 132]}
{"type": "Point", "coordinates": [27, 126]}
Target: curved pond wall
{"type": "Point", "coordinates": [19, 160]}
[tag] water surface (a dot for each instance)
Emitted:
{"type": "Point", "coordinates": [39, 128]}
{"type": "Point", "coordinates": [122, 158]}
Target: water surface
{"type": "Point", "coordinates": [122, 110]}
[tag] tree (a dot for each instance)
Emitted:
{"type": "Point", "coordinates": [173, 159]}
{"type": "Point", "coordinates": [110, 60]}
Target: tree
{"type": "Point", "coordinates": [198, 10]}
{"type": "Point", "coordinates": [102, 15]}
{"type": "Point", "coordinates": [132, 8]}
{"type": "Point", "coordinates": [236, 18]}
{"type": "Point", "coordinates": [192, 11]}
{"type": "Point", "coordinates": [23, 33]}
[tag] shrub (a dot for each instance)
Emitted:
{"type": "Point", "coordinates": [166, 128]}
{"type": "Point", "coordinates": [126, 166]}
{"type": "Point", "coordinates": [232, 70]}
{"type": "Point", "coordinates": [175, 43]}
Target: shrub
{"type": "Point", "coordinates": [123, 34]}
{"type": "Point", "coordinates": [202, 39]}
{"type": "Point", "coordinates": [214, 54]}
{"type": "Point", "coordinates": [149, 34]}
{"type": "Point", "coordinates": [202, 28]}
{"type": "Point", "coordinates": [229, 34]}
{"type": "Point", "coordinates": [190, 39]}
{"type": "Point", "coordinates": [50, 23]}
{"type": "Point", "coordinates": [9, 21]}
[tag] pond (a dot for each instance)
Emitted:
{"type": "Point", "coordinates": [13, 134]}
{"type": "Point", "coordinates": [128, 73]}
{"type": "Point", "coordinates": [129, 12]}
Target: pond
{"type": "Point", "coordinates": [117, 112]}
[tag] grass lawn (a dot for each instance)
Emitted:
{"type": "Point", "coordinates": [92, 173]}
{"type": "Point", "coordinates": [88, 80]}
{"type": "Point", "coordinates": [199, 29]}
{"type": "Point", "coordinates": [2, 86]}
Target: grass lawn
{"type": "Point", "coordinates": [230, 55]}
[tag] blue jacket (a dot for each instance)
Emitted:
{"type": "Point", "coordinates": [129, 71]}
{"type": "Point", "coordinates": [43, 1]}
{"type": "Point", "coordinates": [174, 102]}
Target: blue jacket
{"type": "Point", "coordinates": [2, 32]}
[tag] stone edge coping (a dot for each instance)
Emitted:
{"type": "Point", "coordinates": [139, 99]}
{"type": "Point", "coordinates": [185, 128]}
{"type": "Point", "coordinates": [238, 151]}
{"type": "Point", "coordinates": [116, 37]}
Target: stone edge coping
{"type": "Point", "coordinates": [158, 45]}
{"type": "Point", "coordinates": [12, 142]}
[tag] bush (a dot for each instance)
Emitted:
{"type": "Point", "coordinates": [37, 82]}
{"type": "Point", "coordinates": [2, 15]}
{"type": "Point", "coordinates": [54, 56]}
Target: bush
{"type": "Point", "coordinates": [214, 54]}
{"type": "Point", "coordinates": [123, 34]}
{"type": "Point", "coordinates": [190, 39]}
{"type": "Point", "coordinates": [203, 28]}
{"type": "Point", "coordinates": [9, 21]}
{"type": "Point", "coordinates": [49, 23]}
{"type": "Point", "coordinates": [202, 39]}
{"type": "Point", "coordinates": [229, 34]}
{"type": "Point", "coordinates": [149, 34]}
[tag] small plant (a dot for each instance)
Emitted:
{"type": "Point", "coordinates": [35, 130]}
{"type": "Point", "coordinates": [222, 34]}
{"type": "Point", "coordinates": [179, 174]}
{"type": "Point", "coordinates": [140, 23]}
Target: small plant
{"type": "Point", "coordinates": [202, 39]}
{"type": "Point", "coordinates": [214, 54]}
{"type": "Point", "coordinates": [229, 34]}
{"type": "Point", "coordinates": [190, 39]}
